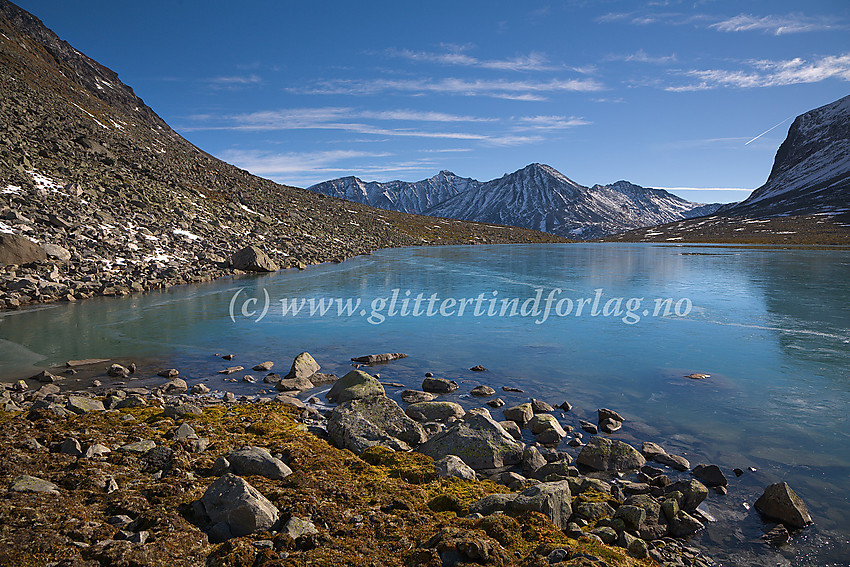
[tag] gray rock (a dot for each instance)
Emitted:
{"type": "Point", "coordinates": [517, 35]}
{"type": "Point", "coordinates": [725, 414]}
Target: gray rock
{"type": "Point", "coordinates": [264, 366]}
{"type": "Point", "coordinates": [683, 525]}
{"type": "Point", "coordinates": [439, 385]}
{"type": "Point", "coordinates": [607, 534]}
{"type": "Point", "coordinates": [673, 461]}
{"type": "Point", "coordinates": [479, 440]}
{"type": "Point", "coordinates": [142, 446]}
{"type": "Point", "coordinates": [609, 425]}
{"type": "Point", "coordinates": [547, 426]}
{"type": "Point", "coordinates": [252, 259]}
{"type": "Point", "coordinates": [779, 502]}
{"type": "Point", "coordinates": [81, 405]}
{"type": "Point", "coordinates": [355, 385]}
{"type": "Point", "coordinates": [710, 475]}
{"type": "Point", "coordinates": [550, 498]}
{"type": "Point", "coordinates": [15, 249]}
{"type": "Point", "coordinates": [377, 420]}
{"type": "Point", "coordinates": [303, 366]}
{"type": "Point", "coordinates": [299, 527]}
{"type": "Point", "coordinates": [231, 370]}
{"type": "Point", "coordinates": [117, 371]}
{"type": "Point", "coordinates": [185, 431]}
{"type": "Point", "coordinates": [168, 373]}
{"type": "Point", "coordinates": [297, 384]}
{"type": "Point", "coordinates": [650, 450]}
{"type": "Point", "coordinates": [693, 493]}
{"type": "Point", "coordinates": [415, 396]}
{"type": "Point", "coordinates": [496, 403]}
{"type": "Point", "coordinates": [377, 358]}
{"type": "Point", "coordinates": [605, 413]}
{"type": "Point", "coordinates": [589, 427]}
{"type": "Point", "coordinates": [539, 406]}
{"type": "Point", "coordinates": [181, 411]}
{"type": "Point", "coordinates": [632, 516]}
{"type": "Point", "coordinates": [453, 466]}
{"type": "Point", "coordinates": [482, 391]}
{"type": "Point", "coordinates": [131, 402]}
{"type": "Point", "coordinates": [200, 389]}
{"type": "Point", "coordinates": [251, 460]}
{"type": "Point", "coordinates": [27, 483]}
{"type": "Point", "coordinates": [235, 508]}
{"type": "Point", "coordinates": [71, 447]}
{"type": "Point", "coordinates": [512, 428]}
{"type": "Point", "coordinates": [56, 252]}
{"type": "Point", "coordinates": [434, 411]}
{"type": "Point", "coordinates": [45, 377]}
{"type": "Point", "coordinates": [604, 454]}
{"type": "Point", "coordinates": [176, 386]}
{"type": "Point", "coordinates": [532, 460]}
{"type": "Point", "coordinates": [521, 414]}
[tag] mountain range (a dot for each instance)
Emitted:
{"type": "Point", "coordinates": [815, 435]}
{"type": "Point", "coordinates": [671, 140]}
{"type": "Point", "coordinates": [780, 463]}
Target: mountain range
{"type": "Point", "coordinates": [536, 197]}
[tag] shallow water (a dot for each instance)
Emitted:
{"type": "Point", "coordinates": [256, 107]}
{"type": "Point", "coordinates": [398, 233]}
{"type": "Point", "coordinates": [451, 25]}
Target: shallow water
{"type": "Point", "coordinates": [771, 327]}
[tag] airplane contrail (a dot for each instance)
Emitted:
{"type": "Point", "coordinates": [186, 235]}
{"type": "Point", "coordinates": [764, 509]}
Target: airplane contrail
{"type": "Point", "coordinates": [768, 130]}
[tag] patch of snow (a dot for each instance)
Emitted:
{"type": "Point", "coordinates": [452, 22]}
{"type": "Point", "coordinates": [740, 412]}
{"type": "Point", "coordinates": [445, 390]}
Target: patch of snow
{"type": "Point", "coordinates": [186, 233]}
{"type": "Point", "coordinates": [246, 209]}
{"type": "Point", "coordinates": [6, 228]}
{"type": "Point", "coordinates": [11, 189]}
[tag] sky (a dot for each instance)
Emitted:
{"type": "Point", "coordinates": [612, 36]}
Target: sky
{"type": "Point", "coordinates": [692, 96]}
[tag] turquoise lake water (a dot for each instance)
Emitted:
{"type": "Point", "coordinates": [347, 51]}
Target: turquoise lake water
{"type": "Point", "coordinates": [771, 327]}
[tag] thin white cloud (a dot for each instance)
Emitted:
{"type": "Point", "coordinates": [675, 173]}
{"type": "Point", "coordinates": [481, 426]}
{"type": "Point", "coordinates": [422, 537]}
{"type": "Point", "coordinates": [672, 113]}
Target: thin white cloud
{"type": "Point", "coordinates": [641, 56]}
{"type": "Point", "coordinates": [765, 73]}
{"type": "Point", "coordinates": [452, 86]}
{"type": "Point", "coordinates": [530, 62]}
{"type": "Point", "coordinates": [778, 25]}
{"type": "Point", "coordinates": [234, 81]}
{"type": "Point", "coordinates": [551, 122]}
{"type": "Point", "coordinates": [266, 163]}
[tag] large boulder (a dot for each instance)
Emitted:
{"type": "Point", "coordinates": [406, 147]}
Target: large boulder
{"type": "Point", "coordinates": [453, 466]}
{"type": "Point", "coordinates": [550, 498]}
{"type": "Point", "coordinates": [434, 411]}
{"type": "Point", "coordinates": [252, 259]}
{"type": "Point", "coordinates": [604, 454]}
{"type": "Point", "coordinates": [693, 493]}
{"type": "Point", "coordinates": [234, 508]}
{"type": "Point", "coordinates": [479, 440]}
{"type": "Point", "coordinates": [779, 502]}
{"type": "Point", "coordinates": [353, 386]}
{"type": "Point", "coordinates": [251, 460]}
{"type": "Point", "coordinates": [15, 249]}
{"type": "Point", "coordinates": [303, 366]}
{"type": "Point", "coordinates": [377, 420]}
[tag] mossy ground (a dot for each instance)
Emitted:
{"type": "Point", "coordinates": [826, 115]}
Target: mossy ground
{"type": "Point", "coordinates": [369, 511]}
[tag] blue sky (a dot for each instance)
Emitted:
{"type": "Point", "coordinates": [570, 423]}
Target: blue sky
{"type": "Point", "coordinates": [663, 93]}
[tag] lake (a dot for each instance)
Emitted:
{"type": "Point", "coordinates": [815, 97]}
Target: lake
{"type": "Point", "coordinates": [625, 324]}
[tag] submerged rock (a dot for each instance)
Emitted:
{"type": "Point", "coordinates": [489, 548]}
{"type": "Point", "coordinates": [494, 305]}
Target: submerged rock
{"type": "Point", "coordinates": [377, 358]}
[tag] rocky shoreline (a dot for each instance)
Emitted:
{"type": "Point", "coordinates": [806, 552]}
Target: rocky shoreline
{"type": "Point", "coordinates": [178, 474]}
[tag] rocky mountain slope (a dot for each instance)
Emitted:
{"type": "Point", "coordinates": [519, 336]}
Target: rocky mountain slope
{"type": "Point", "coordinates": [536, 197]}
{"type": "Point", "coordinates": [127, 204]}
{"type": "Point", "coordinates": [811, 172]}
{"type": "Point", "coordinates": [398, 195]}
{"type": "Point", "coordinates": [806, 199]}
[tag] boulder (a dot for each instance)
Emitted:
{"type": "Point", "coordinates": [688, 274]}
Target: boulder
{"type": "Point", "coordinates": [71, 446]}
{"type": "Point", "coordinates": [378, 358]}
{"type": "Point", "coordinates": [81, 405]}
{"type": "Point", "coordinates": [434, 411]}
{"type": "Point", "coordinates": [684, 525]}
{"type": "Point", "coordinates": [558, 470]}
{"type": "Point", "coordinates": [479, 440]}
{"type": "Point", "coordinates": [512, 428]}
{"type": "Point", "coordinates": [604, 454]}
{"type": "Point", "coordinates": [56, 252]}
{"type": "Point", "coordinates": [453, 466]}
{"type": "Point", "coordinates": [415, 396]}
{"type": "Point", "coordinates": [710, 475]}
{"type": "Point", "coordinates": [234, 508]}
{"type": "Point", "coordinates": [27, 483]}
{"type": "Point", "coordinates": [117, 371]}
{"type": "Point", "coordinates": [298, 384]}
{"type": "Point", "coordinates": [353, 386]}
{"type": "Point", "coordinates": [439, 385]}
{"type": "Point", "coordinates": [303, 366]}
{"type": "Point", "coordinates": [779, 502]}
{"type": "Point", "coordinates": [693, 493]}
{"type": "Point", "coordinates": [180, 411]}
{"type": "Point", "coordinates": [15, 249]}
{"type": "Point", "coordinates": [377, 420]}
{"type": "Point", "coordinates": [176, 386]}
{"type": "Point", "coordinates": [544, 421]}
{"type": "Point", "coordinates": [252, 259]}
{"type": "Point", "coordinates": [539, 406]}
{"type": "Point", "coordinates": [673, 461]}
{"type": "Point", "coordinates": [650, 450]}
{"type": "Point", "coordinates": [521, 414]}
{"type": "Point", "coordinates": [550, 498]}
{"type": "Point", "coordinates": [482, 391]}
{"type": "Point", "coordinates": [532, 460]}
{"type": "Point", "coordinates": [264, 366]}
{"type": "Point", "coordinates": [297, 528]}
{"type": "Point", "coordinates": [251, 460]}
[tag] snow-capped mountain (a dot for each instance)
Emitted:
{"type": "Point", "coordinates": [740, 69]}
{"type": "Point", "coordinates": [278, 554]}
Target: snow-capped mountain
{"type": "Point", "coordinates": [398, 195]}
{"type": "Point", "coordinates": [537, 197]}
{"type": "Point", "coordinates": [540, 197]}
{"type": "Point", "coordinates": [811, 172]}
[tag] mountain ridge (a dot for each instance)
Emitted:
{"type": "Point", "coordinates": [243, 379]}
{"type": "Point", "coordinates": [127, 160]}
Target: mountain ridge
{"type": "Point", "coordinates": [537, 196]}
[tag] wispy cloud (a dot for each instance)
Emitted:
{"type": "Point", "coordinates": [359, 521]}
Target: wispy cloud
{"type": "Point", "coordinates": [499, 88]}
{"type": "Point", "coordinates": [551, 122]}
{"type": "Point", "coordinates": [771, 23]}
{"type": "Point", "coordinates": [778, 25]}
{"type": "Point", "coordinates": [530, 62]}
{"type": "Point", "coordinates": [235, 81]}
{"type": "Point", "coordinates": [765, 73]}
{"type": "Point", "coordinates": [641, 56]}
